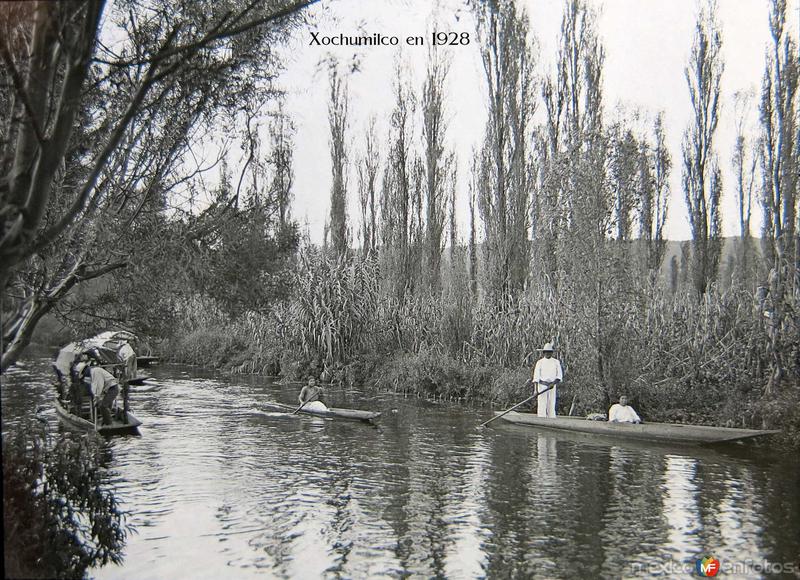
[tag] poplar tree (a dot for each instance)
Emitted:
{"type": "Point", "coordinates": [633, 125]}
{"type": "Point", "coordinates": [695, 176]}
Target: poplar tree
{"type": "Point", "coordinates": [337, 119]}
{"type": "Point", "coordinates": [367, 169]}
{"type": "Point", "coordinates": [745, 163]}
{"type": "Point", "coordinates": [506, 174]}
{"type": "Point", "coordinates": [702, 177]}
{"type": "Point", "coordinates": [401, 206]}
{"type": "Point", "coordinates": [779, 156]}
{"type": "Point", "coordinates": [436, 159]}
{"type": "Point", "coordinates": [655, 165]}
{"type": "Point", "coordinates": [780, 166]}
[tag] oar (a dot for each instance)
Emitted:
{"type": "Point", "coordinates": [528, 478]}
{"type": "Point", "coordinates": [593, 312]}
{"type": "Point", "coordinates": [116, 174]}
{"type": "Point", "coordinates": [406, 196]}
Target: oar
{"type": "Point", "coordinates": [517, 405]}
{"type": "Point", "coordinates": [296, 411]}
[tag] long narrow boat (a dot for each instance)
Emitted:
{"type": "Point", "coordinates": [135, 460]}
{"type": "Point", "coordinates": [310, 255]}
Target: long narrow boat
{"type": "Point", "coordinates": [330, 413]}
{"type": "Point", "coordinates": [661, 432]}
{"type": "Point", "coordinates": [117, 427]}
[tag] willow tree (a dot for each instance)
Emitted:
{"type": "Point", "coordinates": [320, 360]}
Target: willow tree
{"type": "Point", "coordinates": [95, 131]}
{"type": "Point", "coordinates": [337, 119]}
{"type": "Point", "coordinates": [506, 176]}
{"type": "Point", "coordinates": [702, 177]}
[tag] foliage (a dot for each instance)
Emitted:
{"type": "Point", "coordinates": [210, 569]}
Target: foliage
{"type": "Point", "coordinates": [429, 374]}
{"type": "Point", "coordinates": [335, 303]}
{"type": "Point", "coordinates": [95, 137]}
{"type": "Point", "coordinates": [58, 517]}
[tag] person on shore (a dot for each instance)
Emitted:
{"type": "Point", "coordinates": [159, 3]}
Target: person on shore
{"type": "Point", "coordinates": [622, 412]}
{"type": "Point", "coordinates": [311, 397]}
{"type": "Point", "coordinates": [105, 389]}
{"type": "Point", "coordinates": [547, 373]}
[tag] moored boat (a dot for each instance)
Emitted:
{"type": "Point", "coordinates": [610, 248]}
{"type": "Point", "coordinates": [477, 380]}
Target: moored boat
{"type": "Point", "coordinates": [660, 432]}
{"type": "Point", "coordinates": [147, 360]}
{"type": "Point", "coordinates": [122, 423]}
{"type": "Point", "coordinates": [104, 349]}
{"type": "Point", "coordinates": [112, 351]}
{"type": "Point", "coordinates": [329, 413]}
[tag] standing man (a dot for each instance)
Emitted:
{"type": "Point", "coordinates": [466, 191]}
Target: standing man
{"type": "Point", "coordinates": [127, 356]}
{"type": "Point", "coordinates": [105, 389]}
{"type": "Point", "coordinates": [547, 372]}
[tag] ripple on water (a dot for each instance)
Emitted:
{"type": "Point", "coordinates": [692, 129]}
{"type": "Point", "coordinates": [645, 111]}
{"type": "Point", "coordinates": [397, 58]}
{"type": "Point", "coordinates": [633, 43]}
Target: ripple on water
{"type": "Point", "coordinates": [217, 487]}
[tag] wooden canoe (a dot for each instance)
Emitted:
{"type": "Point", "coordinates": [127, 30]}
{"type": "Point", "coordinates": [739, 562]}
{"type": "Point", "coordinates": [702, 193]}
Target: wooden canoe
{"type": "Point", "coordinates": [117, 426]}
{"type": "Point", "coordinates": [331, 413]}
{"type": "Point", "coordinates": [660, 432]}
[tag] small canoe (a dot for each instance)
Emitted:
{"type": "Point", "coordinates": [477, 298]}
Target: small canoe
{"type": "Point", "coordinates": [330, 413]}
{"type": "Point", "coordinates": [117, 427]}
{"type": "Point", "coordinates": [660, 432]}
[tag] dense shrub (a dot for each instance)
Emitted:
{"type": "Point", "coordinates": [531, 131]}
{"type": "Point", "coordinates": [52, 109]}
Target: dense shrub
{"type": "Point", "coordinates": [59, 519]}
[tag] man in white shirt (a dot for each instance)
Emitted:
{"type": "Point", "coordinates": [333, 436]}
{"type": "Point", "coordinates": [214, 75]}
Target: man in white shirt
{"type": "Point", "coordinates": [546, 373]}
{"type": "Point", "coordinates": [622, 412]}
{"type": "Point", "coordinates": [105, 389]}
{"type": "Point", "coordinates": [127, 357]}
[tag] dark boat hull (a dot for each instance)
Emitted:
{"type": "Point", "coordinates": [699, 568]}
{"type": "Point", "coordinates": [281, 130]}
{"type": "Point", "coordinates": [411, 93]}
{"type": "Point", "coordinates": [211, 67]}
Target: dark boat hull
{"type": "Point", "coordinates": [146, 361]}
{"type": "Point", "coordinates": [331, 413]}
{"type": "Point", "coordinates": [658, 432]}
{"type": "Point", "coordinates": [117, 427]}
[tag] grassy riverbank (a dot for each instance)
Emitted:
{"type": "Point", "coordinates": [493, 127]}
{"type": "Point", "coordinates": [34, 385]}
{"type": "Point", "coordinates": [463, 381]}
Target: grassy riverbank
{"type": "Point", "coordinates": [678, 360]}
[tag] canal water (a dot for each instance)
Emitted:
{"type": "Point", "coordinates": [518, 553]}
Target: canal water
{"type": "Point", "coordinates": [218, 487]}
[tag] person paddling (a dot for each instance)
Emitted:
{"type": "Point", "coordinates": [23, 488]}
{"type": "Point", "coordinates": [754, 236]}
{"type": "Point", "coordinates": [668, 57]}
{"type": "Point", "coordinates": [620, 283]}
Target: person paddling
{"type": "Point", "coordinates": [311, 397]}
{"type": "Point", "coordinates": [622, 412]}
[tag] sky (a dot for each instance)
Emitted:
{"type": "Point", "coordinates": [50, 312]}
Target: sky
{"type": "Point", "coordinates": [647, 44]}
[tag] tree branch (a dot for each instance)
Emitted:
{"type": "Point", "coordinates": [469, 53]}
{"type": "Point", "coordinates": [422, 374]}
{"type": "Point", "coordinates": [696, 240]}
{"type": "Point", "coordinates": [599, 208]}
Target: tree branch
{"type": "Point", "coordinates": [216, 33]}
{"type": "Point", "coordinates": [19, 87]}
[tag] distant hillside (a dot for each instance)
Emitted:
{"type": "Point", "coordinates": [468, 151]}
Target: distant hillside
{"type": "Point", "coordinates": [729, 246]}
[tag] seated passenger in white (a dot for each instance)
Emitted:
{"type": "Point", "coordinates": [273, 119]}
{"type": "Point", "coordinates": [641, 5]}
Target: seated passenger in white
{"type": "Point", "coordinates": [622, 412]}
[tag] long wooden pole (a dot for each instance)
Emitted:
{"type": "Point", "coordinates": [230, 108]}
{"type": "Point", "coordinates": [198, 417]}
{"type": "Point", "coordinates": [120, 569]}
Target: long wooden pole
{"type": "Point", "coordinates": [517, 405]}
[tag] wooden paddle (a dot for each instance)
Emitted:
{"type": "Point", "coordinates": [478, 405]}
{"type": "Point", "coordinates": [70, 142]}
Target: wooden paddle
{"type": "Point", "coordinates": [517, 405]}
{"type": "Point", "coordinates": [314, 398]}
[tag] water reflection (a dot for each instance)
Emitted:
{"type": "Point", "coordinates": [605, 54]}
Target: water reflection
{"type": "Point", "coordinates": [218, 487]}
